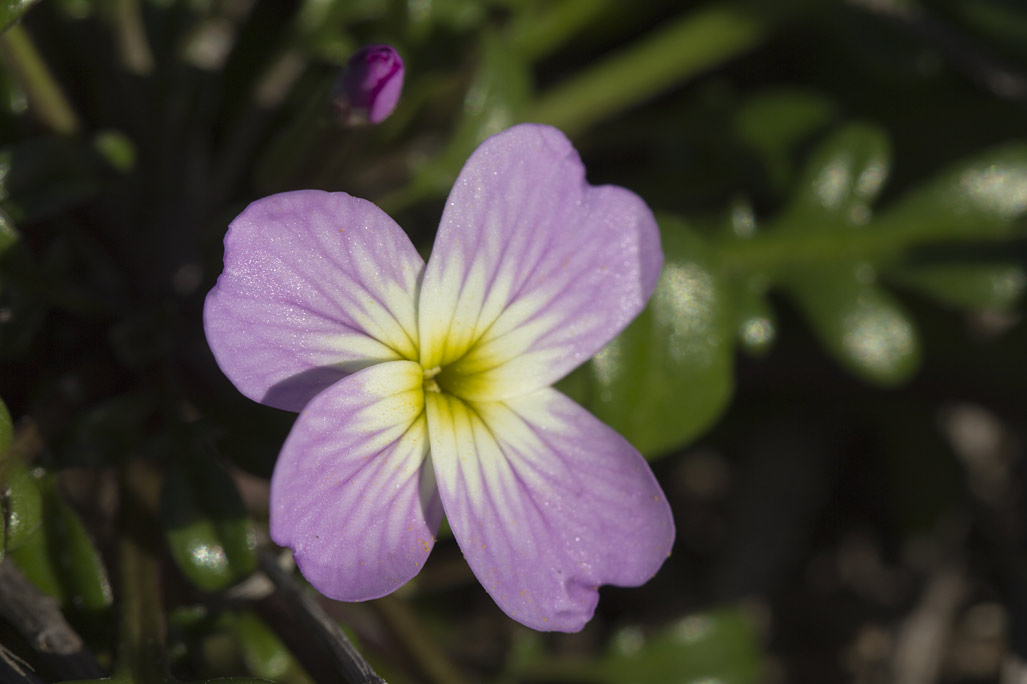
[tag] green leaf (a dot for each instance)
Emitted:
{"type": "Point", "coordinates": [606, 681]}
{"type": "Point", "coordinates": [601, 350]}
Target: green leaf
{"type": "Point", "coordinates": [987, 287]}
{"type": "Point", "coordinates": [676, 50]}
{"type": "Point", "coordinates": [264, 653]}
{"type": "Point", "coordinates": [827, 247]}
{"type": "Point", "coordinates": [975, 199]}
{"type": "Point", "coordinates": [23, 504]}
{"type": "Point", "coordinates": [72, 550]}
{"type": "Point", "coordinates": [668, 376]}
{"type": "Point", "coordinates": [719, 646]}
{"type": "Point", "coordinates": [6, 430]}
{"type": "Point", "coordinates": [63, 562]}
{"type": "Point", "coordinates": [12, 10]}
{"type": "Point", "coordinates": [540, 28]}
{"type": "Point", "coordinates": [859, 323]}
{"type": "Point", "coordinates": [453, 15]}
{"type": "Point", "coordinates": [33, 558]}
{"type": "Point", "coordinates": [755, 321]}
{"type": "Point", "coordinates": [8, 235]}
{"type": "Point", "coordinates": [117, 149]}
{"type": "Point", "coordinates": [841, 180]}
{"type": "Point", "coordinates": [211, 539]}
{"type": "Point", "coordinates": [775, 122]}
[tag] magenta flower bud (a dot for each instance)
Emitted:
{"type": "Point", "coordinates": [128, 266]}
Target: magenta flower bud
{"type": "Point", "coordinates": [370, 85]}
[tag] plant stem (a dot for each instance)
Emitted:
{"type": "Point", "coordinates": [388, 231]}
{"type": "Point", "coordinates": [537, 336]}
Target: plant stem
{"type": "Point", "coordinates": [134, 47]}
{"type": "Point", "coordinates": [417, 641]}
{"type": "Point", "coordinates": [534, 34]}
{"type": "Point", "coordinates": [776, 252]}
{"type": "Point", "coordinates": [684, 48]}
{"type": "Point", "coordinates": [321, 628]}
{"type": "Point", "coordinates": [141, 656]}
{"type": "Point", "coordinates": [44, 94]}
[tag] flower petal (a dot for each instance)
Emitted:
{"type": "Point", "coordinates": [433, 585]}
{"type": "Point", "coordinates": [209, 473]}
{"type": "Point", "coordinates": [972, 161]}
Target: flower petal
{"type": "Point", "coordinates": [547, 503]}
{"type": "Point", "coordinates": [533, 269]}
{"type": "Point", "coordinates": [316, 285]}
{"type": "Point", "coordinates": [352, 493]}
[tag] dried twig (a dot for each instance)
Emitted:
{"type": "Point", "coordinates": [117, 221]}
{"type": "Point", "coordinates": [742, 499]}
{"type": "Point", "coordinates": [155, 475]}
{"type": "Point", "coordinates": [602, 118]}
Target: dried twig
{"type": "Point", "coordinates": [14, 670]}
{"type": "Point", "coordinates": [39, 620]}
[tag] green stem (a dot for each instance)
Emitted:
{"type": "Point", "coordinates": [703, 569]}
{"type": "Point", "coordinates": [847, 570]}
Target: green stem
{"type": "Point", "coordinates": [418, 642]}
{"type": "Point", "coordinates": [692, 44]}
{"type": "Point", "coordinates": [535, 34]}
{"type": "Point", "coordinates": [136, 55]}
{"type": "Point", "coordinates": [779, 251]}
{"type": "Point", "coordinates": [141, 652]}
{"type": "Point", "coordinates": [29, 69]}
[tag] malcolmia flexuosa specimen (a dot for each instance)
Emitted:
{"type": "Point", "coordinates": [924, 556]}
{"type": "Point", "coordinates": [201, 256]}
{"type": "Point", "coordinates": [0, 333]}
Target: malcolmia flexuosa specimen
{"type": "Point", "coordinates": [424, 389]}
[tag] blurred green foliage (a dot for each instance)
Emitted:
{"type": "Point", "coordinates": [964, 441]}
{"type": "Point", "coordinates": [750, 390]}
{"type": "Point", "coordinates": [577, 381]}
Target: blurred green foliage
{"type": "Point", "coordinates": [669, 375]}
{"type": "Point", "coordinates": [838, 186]}
{"type": "Point", "coordinates": [51, 545]}
{"type": "Point", "coordinates": [11, 11]}
{"type": "Point", "coordinates": [209, 535]}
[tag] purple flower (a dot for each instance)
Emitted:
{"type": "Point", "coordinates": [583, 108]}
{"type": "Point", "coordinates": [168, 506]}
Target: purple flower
{"type": "Point", "coordinates": [426, 388]}
{"type": "Point", "coordinates": [370, 85]}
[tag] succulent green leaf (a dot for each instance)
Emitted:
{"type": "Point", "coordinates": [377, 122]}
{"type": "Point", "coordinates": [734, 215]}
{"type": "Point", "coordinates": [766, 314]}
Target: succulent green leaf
{"type": "Point", "coordinates": [211, 539]}
{"type": "Point", "coordinates": [12, 10]}
{"type": "Point", "coordinates": [841, 180]}
{"type": "Point", "coordinates": [71, 548]}
{"type": "Point", "coordinates": [117, 149]}
{"type": "Point", "coordinates": [860, 324]}
{"type": "Point", "coordinates": [6, 431]}
{"type": "Point", "coordinates": [983, 287]}
{"type": "Point", "coordinates": [668, 376]}
{"type": "Point", "coordinates": [979, 198]}
{"type": "Point", "coordinates": [264, 653]}
{"type": "Point", "coordinates": [775, 122]}
{"type": "Point", "coordinates": [22, 502]}
{"type": "Point", "coordinates": [33, 557]}
{"type": "Point", "coordinates": [454, 15]}
{"type": "Point", "coordinates": [8, 235]}
{"type": "Point", "coordinates": [755, 321]}
{"type": "Point", "coordinates": [720, 646]}
{"type": "Point", "coordinates": [62, 560]}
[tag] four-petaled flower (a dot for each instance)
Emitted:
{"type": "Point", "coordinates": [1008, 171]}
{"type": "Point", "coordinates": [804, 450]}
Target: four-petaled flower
{"type": "Point", "coordinates": [426, 388]}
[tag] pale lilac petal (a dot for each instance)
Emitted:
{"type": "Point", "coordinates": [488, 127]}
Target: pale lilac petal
{"type": "Point", "coordinates": [547, 503]}
{"type": "Point", "coordinates": [316, 285]}
{"type": "Point", "coordinates": [352, 493]}
{"type": "Point", "coordinates": [533, 270]}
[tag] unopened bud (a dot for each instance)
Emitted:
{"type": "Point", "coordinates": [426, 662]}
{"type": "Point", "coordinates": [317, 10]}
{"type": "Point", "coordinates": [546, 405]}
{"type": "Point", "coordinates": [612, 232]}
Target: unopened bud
{"type": "Point", "coordinates": [370, 85]}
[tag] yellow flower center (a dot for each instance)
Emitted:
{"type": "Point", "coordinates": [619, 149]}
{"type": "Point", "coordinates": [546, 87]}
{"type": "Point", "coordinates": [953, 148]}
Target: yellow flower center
{"type": "Point", "coordinates": [430, 384]}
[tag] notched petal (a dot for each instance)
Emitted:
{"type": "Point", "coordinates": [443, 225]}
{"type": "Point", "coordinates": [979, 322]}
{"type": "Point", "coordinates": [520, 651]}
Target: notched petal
{"type": "Point", "coordinates": [316, 286]}
{"type": "Point", "coordinates": [353, 492]}
{"type": "Point", "coordinates": [547, 504]}
{"type": "Point", "coordinates": [533, 269]}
